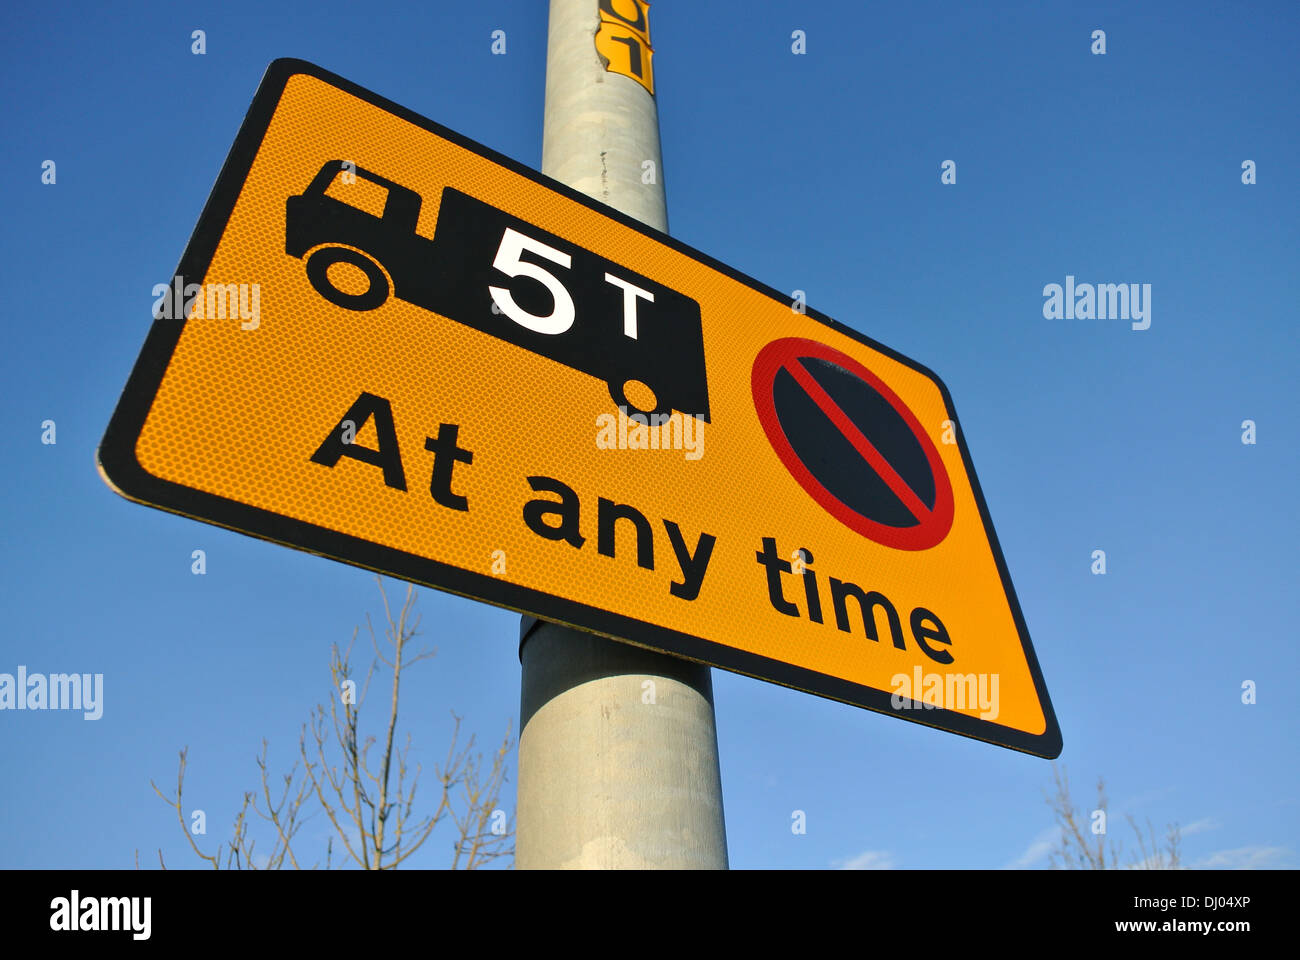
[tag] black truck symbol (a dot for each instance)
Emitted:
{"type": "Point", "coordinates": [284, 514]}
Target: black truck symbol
{"type": "Point", "coordinates": [505, 277]}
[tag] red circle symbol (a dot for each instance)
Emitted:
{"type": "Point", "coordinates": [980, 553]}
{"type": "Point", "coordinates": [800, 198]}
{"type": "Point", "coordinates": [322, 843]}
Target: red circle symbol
{"type": "Point", "coordinates": [852, 444]}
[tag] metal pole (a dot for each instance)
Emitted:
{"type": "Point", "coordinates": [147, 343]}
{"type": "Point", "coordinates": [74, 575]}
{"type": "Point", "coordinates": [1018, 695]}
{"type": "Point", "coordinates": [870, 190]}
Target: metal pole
{"type": "Point", "coordinates": [618, 753]}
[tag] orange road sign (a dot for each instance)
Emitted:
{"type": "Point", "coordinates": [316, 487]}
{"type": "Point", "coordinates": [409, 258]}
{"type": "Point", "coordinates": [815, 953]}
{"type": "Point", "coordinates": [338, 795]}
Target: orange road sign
{"type": "Point", "coordinates": [390, 346]}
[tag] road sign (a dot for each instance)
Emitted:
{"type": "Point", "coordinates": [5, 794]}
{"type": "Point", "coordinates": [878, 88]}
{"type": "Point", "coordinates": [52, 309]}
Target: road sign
{"type": "Point", "coordinates": [388, 345]}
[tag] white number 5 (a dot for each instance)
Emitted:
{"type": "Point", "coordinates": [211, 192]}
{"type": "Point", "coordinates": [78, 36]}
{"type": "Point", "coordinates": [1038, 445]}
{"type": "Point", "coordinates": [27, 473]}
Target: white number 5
{"type": "Point", "coordinates": [514, 243]}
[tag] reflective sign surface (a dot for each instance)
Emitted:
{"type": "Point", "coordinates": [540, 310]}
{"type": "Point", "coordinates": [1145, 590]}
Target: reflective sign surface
{"type": "Point", "coordinates": [388, 345]}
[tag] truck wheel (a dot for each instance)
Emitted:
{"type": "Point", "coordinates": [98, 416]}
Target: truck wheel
{"type": "Point", "coordinates": [318, 265]}
{"type": "Point", "coordinates": [640, 399]}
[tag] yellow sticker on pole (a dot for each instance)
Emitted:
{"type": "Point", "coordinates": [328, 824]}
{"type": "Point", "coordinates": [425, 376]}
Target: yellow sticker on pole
{"type": "Point", "coordinates": [390, 346]}
{"type": "Point", "coordinates": [623, 40]}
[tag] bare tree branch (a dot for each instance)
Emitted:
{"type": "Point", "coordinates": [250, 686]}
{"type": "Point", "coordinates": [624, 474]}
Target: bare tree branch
{"type": "Point", "coordinates": [370, 802]}
{"type": "Point", "coordinates": [1075, 852]}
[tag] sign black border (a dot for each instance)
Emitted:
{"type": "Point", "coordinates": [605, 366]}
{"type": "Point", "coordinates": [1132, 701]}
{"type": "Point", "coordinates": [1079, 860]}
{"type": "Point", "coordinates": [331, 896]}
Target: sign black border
{"type": "Point", "coordinates": [122, 471]}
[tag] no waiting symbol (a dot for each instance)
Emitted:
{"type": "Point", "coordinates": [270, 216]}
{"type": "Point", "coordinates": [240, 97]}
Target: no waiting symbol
{"type": "Point", "coordinates": [852, 444]}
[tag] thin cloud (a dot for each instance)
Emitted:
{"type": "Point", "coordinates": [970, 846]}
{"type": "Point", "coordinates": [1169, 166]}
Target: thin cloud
{"type": "Point", "coordinates": [1257, 857]}
{"type": "Point", "coordinates": [1037, 851]}
{"type": "Point", "coordinates": [869, 860]}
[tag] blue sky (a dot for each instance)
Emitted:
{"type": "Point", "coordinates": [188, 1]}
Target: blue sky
{"type": "Point", "coordinates": [818, 172]}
